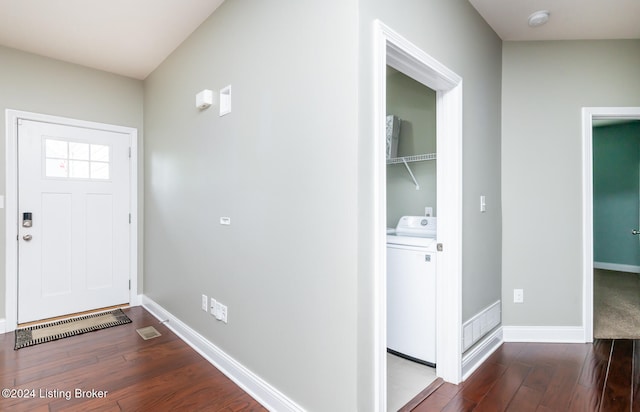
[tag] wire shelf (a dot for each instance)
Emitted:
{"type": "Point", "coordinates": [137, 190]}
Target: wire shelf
{"type": "Point", "coordinates": [414, 158]}
{"type": "Point", "coordinates": [408, 159]}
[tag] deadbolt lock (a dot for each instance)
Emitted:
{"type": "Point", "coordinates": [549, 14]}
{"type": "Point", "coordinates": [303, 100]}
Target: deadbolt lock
{"type": "Point", "coordinates": [27, 219]}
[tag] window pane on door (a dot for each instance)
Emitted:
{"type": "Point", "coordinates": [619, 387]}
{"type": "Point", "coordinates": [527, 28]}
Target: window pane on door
{"type": "Point", "coordinates": [56, 148]}
{"type": "Point", "coordinates": [78, 169]}
{"type": "Point", "coordinates": [76, 160]}
{"type": "Point", "coordinates": [56, 168]}
{"type": "Point", "coordinates": [78, 151]}
{"type": "Point", "coordinates": [99, 153]}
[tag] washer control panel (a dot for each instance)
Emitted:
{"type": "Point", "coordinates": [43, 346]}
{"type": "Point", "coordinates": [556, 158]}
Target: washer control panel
{"type": "Point", "coordinates": [421, 226]}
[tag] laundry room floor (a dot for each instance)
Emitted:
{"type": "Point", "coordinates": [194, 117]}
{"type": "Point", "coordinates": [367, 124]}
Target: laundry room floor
{"type": "Point", "coordinates": [405, 379]}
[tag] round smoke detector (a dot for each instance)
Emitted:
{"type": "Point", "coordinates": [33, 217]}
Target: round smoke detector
{"type": "Point", "coordinates": [539, 18]}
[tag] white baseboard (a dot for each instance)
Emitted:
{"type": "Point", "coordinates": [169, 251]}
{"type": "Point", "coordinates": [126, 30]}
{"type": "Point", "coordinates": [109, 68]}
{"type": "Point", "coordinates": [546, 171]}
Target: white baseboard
{"type": "Point", "coordinates": [263, 392]}
{"type": "Point", "coordinates": [617, 267]}
{"type": "Point", "coordinates": [3, 325]}
{"type": "Point", "coordinates": [479, 353]}
{"type": "Point", "coordinates": [550, 334]}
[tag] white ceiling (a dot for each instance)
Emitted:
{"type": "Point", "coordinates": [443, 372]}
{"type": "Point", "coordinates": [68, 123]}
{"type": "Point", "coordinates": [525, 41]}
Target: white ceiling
{"type": "Point", "coordinates": [132, 37]}
{"type": "Point", "coordinates": [127, 37]}
{"type": "Point", "coordinates": [570, 19]}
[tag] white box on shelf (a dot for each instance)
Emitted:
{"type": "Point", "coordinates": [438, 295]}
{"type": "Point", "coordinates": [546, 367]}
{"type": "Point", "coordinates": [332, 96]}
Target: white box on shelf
{"type": "Point", "coordinates": [393, 134]}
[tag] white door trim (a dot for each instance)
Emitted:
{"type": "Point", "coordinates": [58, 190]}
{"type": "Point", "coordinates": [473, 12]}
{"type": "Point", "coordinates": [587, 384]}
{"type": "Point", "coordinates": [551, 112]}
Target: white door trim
{"type": "Point", "coordinates": [11, 200]}
{"type": "Point", "coordinates": [396, 51]}
{"type": "Point", "coordinates": [589, 114]}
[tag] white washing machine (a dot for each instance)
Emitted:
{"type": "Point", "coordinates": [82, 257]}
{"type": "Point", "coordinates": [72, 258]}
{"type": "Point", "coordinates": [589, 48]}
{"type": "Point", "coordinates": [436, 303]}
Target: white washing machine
{"type": "Point", "coordinates": [411, 289]}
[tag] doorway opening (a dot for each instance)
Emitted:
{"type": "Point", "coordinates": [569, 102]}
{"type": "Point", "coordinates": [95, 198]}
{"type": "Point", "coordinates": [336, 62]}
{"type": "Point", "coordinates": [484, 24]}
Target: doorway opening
{"type": "Point", "coordinates": [397, 52]}
{"type": "Point", "coordinates": [95, 164]}
{"type": "Point", "coordinates": [411, 263]}
{"type": "Point", "coordinates": [590, 117]}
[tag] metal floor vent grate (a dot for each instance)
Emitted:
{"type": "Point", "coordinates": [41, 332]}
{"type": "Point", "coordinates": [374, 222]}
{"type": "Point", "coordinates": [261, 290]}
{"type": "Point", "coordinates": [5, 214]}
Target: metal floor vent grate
{"type": "Point", "coordinates": [148, 333]}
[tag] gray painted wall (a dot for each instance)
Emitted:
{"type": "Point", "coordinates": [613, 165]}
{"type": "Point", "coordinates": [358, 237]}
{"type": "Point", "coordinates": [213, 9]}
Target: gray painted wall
{"type": "Point", "coordinates": [415, 104]}
{"type": "Point", "coordinates": [545, 85]}
{"type": "Point", "coordinates": [283, 167]}
{"type": "Point", "coordinates": [455, 34]}
{"type": "Point", "coordinates": [42, 85]}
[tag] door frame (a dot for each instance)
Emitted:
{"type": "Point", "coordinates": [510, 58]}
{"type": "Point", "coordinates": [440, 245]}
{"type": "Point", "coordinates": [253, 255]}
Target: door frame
{"type": "Point", "coordinates": [394, 50]}
{"type": "Point", "coordinates": [11, 208]}
{"type": "Point", "coordinates": [589, 114]}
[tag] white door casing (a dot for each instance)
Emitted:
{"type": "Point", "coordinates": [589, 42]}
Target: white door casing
{"type": "Point", "coordinates": [589, 114]}
{"type": "Point", "coordinates": [74, 254]}
{"type": "Point", "coordinates": [394, 50]}
{"type": "Point", "coordinates": [90, 292]}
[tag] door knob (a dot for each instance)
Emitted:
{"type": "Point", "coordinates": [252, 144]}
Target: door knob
{"type": "Point", "coordinates": [27, 238]}
{"type": "Point", "coordinates": [635, 232]}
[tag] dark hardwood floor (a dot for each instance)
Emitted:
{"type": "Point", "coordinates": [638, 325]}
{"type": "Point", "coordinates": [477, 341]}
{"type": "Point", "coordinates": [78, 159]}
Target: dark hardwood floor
{"type": "Point", "coordinates": [520, 377]}
{"type": "Point", "coordinates": [165, 374]}
{"type": "Point", "coordinates": [161, 374]}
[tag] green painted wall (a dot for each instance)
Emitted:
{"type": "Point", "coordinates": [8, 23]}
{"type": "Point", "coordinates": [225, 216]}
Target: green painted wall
{"type": "Point", "coordinates": [415, 104]}
{"type": "Point", "coordinates": [616, 186]}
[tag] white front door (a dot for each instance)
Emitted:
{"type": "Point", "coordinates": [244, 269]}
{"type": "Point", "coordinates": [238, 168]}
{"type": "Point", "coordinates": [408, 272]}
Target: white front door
{"type": "Point", "coordinates": [73, 205]}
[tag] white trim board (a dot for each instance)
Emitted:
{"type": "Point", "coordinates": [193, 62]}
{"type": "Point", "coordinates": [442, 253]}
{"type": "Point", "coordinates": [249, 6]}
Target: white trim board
{"type": "Point", "coordinates": [617, 267]}
{"type": "Point", "coordinates": [543, 334]}
{"type": "Point", "coordinates": [11, 203]}
{"type": "Point", "coordinates": [251, 383]}
{"type": "Point", "coordinates": [481, 351]}
{"type": "Point", "coordinates": [3, 326]}
{"type": "Point", "coordinates": [589, 114]}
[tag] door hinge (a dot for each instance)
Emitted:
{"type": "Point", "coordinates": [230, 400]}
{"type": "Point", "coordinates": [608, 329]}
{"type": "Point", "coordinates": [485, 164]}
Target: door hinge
{"type": "Point", "coordinates": [129, 218]}
{"type": "Point", "coordinates": [129, 152]}
{"type": "Point", "coordinates": [129, 284]}
{"type": "Point", "coordinates": [439, 247]}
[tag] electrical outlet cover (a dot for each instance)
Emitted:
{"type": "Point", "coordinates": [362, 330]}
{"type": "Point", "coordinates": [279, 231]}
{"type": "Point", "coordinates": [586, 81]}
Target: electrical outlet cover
{"type": "Point", "coordinates": [518, 296]}
{"type": "Point", "coordinates": [223, 313]}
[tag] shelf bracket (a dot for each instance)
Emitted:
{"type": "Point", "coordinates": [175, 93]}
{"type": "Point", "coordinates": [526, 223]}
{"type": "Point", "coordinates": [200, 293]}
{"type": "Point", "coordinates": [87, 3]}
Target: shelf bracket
{"type": "Point", "coordinates": [411, 173]}
{"type": "Point", "coordinates": [415, 158]}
